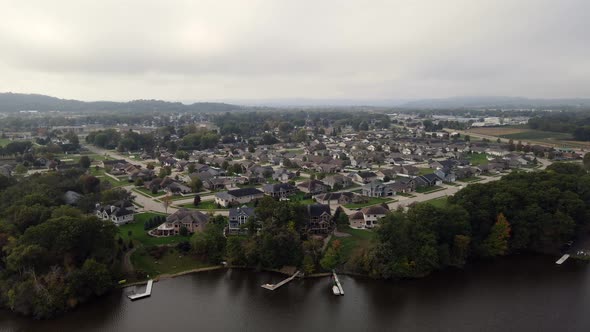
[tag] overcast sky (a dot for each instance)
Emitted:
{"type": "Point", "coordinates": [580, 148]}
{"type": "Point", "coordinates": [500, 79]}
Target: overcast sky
{"type": "Point", "coordinates": [326, 49]}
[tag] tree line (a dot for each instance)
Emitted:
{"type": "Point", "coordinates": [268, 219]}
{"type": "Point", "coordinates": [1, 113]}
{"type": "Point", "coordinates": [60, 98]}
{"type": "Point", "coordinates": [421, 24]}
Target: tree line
{"type": "Point", "coordinates": [523, 212]}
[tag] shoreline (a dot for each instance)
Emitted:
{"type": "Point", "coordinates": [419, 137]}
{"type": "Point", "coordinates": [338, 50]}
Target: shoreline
{"type": "Point", "coordinates": [166, 276]}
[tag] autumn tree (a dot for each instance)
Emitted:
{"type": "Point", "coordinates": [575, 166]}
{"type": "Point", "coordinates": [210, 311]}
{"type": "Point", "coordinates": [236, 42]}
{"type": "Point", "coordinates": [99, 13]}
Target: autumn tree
{"type": "Point", "coordinates": [496, 244]}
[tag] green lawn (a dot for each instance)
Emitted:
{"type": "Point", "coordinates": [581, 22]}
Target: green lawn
{"type": "Point", "coordinates": [372, 201]}
{"type": "Point", "coordinates": [140, 236]}
{"type": "Point", "coordinates": [4, 141]}
{"type": "Point", "coordinates": [359, 239]}
{"type": "Point", "coordinates": [204, 205]}
{"type": "Point", "coordinates": [426, 190]}
{"type": "Point", "coordinates": [180, 198]}
{"type": "Point", "coordinates": [477, 159]}
{"type": "Point", "coordinates": [424, 171]}
{"type": "Point", "coordinates": [406, 195]}
{"type": "Point", "coordinates": [438, 202]}
{"type": "Point", "coordinates": [300, 197]}
{"type": "Point", "coordinates": [172, 262]}
{"type": "Point", "coordinates": [148, 192]}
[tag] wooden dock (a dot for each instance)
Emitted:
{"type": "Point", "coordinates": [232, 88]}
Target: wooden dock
{"type": "Point", "coordinates": [337, 282]}
{"type": "Point", "coordinates": [146, 293]}
{"type": "Point", "coordinates": [275, 286]}
{"type": "Point", "coordinates": [562, 259]}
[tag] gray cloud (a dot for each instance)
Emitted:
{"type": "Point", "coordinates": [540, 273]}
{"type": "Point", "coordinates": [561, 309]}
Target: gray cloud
{"type": "Point", "coordinates": [199, 50]}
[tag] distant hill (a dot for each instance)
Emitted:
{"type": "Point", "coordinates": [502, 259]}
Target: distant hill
{"type": "Point", "coordinates": [15, 102]}
{"type": "Point", "coordinates": [495, 102]}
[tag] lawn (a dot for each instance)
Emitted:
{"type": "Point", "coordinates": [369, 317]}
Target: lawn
{"type": "Point", "coordinates": [103, 177]}
{"type": "Point", "coordinates": [438, 202]}
{"type": "Point", "coordinates": [477, 159]}
{"type": "Point", "coordinates": [426, 190]}
{"type": "Point", "coordinates": [372, 201]}
{"type": "Point", "coordinates": [204, 205]}
{"type": "Point", "coordinates": [300, 197]}
{"type": "Point", "coordinates": [140, 236]}
{"type": "Point", "coordinates": [148, 192]}
{"type": "Point", "coordinates": [359, 239]}
{"type": "Point", "coordinates": [424, 171]}
{"type": "Point", "coordinates": [172, 262]}
{"type": "Point", "coordinates": [4, 141]}
{"type": "Point", "coordinates": [180, 198]}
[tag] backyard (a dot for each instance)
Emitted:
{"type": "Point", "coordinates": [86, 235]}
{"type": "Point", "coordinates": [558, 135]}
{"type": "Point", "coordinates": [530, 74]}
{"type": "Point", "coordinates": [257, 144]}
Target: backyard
{"type": "Point", "coordinates": [204, 205]}
{"type": "Point", "coordinates": [359, 239]}
{"type": "Point", "coordinates": [477, 159]}
{"type": "Point", "coordinates": [372, 201]}
{"type": "Point", "coordinates": [172, 261]}
{"type": "Point", "coordinates": [140, 236]}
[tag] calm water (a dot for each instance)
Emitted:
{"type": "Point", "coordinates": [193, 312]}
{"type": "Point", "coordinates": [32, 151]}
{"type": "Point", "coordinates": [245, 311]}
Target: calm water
{"type": "Point", "coordinates": [514, 294]}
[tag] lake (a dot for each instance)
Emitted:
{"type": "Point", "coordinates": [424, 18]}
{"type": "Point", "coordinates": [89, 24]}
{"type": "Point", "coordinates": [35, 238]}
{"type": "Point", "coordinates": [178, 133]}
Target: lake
{"type": "Point", "coordinates": [522, 293]}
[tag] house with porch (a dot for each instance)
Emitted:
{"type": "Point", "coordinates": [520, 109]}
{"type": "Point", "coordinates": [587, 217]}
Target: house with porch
{"type": "Point", "coordinates": [119, 215]}
{"type": "Point", "coordinates": [238, 217]}
{"type": "Point", "coordinates": [319, 219]}
{"type": "Point", "coordinates": [194, 221]}
{"type": "Point", "coordinates": [279, 190]}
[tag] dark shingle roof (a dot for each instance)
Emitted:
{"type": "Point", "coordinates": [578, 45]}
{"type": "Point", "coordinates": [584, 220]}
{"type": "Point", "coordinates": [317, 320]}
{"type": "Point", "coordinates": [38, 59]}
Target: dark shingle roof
{"type": "Point", "coordinates": [316, 210]}
{"type": "Point", "coordinates": [244, 192]}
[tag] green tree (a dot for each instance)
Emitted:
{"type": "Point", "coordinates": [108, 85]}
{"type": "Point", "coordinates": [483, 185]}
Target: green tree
{"type": "Point", "coordinates": [587, 160]}
{"type": "Point", "coordinates": [84, 162]}
{"type": "Point", "coordinates": [331, 258]}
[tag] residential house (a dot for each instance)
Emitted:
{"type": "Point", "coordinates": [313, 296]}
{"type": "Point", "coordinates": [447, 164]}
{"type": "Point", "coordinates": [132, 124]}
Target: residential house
{"type": "Point", "coordinates": [378, 188]}
{"type": "Point", "coordinates": [337, 181]}
{"type": "Point", "coordinates": [283, 175]}
{"type": "Point", "coordinates": [341, 198]}
{"type": "Point", "coordinates": [119, 214]}
{"type": "Point", "coordinates": [279, 190]}
{"type": "Point", "coordinates": [313, 187]}
{"type": "Point", "coordinates": [365, 177]}
{"type": "Point", "coordinates": [238, 196]}
{"type": "Point", "coordinates": [446, 174]}
{"type": "Point", "coordinates": [319, 219]}
{"type": "Point", "coordinates": [193, 221]}
{"type": "Point", "coordinates": [372, 214]}
{"type": "Point", "coordinates": [428, 180]}
{"type": "Point", "coordinates": [238, 217]}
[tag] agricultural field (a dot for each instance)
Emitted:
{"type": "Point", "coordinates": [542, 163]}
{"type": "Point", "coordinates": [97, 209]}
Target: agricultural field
{"type": "Point", "coordinates": [534, 136]}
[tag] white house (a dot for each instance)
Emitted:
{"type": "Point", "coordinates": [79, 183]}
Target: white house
{"type": "Point", "coordinates": [118, 215]}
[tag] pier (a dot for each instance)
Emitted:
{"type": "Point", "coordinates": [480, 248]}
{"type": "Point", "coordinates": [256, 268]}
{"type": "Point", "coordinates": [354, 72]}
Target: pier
{"type": "Point", "coordinates": [275, 286]}
{"type": "Point", "coordinates": [146, 293]}
{"type": "Point", "coordinates": [562, 259]}
{"type": "Point", "coordinates": [338, 284]}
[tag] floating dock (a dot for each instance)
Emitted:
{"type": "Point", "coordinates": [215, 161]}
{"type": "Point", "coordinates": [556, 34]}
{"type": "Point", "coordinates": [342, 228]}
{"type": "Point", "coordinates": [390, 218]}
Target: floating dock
{"type": "Point", "coordinates": [562, 259]}
{"type": "Point", "coordinates": [337, 284]}
{"type": "Point", "coordinates": [146, 293]}
{"type": "Point", "coordinates": [275, 286]}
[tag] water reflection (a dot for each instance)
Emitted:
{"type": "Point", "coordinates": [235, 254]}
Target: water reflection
{"type": "Point", "coordinates": [526, 293]}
